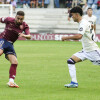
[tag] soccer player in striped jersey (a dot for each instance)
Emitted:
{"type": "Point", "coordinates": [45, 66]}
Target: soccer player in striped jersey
{"type": "Point", "coordinates": [90, 49]}
{"type": "Point", "coordinates": [14, 28]}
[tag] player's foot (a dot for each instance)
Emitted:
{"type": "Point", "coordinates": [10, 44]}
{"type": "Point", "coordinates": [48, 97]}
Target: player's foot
{"type": "Point", "coordinates": [11, 84]}
{"type": "Point", "coordinates": [71, 85]}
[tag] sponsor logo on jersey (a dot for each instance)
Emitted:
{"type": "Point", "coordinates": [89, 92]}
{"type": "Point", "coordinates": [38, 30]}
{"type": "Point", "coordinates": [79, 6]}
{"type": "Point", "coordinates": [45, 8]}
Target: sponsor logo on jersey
{"type": "Point", "coordinates": [81, 29]}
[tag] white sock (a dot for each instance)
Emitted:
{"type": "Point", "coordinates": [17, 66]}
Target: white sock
{"type": "Point", "coordinates": [11, 80]}
{"type": "Point", "coordinates": [72, 71]}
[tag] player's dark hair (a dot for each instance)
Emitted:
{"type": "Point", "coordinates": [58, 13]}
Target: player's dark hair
{"type": "Point", "coordinates": [21, 13]}
{"type": "Point", "coordinates": [77, 9]}
{"type": "Point", "coordinates": [90, 8]}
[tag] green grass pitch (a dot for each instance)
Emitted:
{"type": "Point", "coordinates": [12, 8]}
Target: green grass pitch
{"type": "Point", "coordinates": [42, 72]}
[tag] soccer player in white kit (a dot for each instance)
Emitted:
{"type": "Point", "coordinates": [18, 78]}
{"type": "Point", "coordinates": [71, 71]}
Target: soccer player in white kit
{"type": "Point", "coordinates": [92, 19]}
{"type": "Point", "coordinates": [90, 49]}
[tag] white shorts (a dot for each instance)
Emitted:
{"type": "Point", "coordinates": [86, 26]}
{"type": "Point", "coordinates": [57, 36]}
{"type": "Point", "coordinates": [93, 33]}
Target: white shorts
{"type": "Point", "coordinates": [93, 56]}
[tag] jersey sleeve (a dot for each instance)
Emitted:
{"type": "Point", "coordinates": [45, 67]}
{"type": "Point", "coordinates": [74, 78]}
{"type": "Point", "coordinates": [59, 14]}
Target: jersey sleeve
{"type": "Point", "coordinates": [81, 29]}
{"type": "Point", "coordinates": [26, 29]}
{"type": "Point", "coordinates": [4, 20]}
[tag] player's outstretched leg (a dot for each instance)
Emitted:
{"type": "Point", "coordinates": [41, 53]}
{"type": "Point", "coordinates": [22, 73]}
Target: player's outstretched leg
{"type": "Point", "coordinates": [72, 72]}
{"type": "Point", "coordinates": [12, 74]}
{"type": "Point", "coordinates": [12, 71]}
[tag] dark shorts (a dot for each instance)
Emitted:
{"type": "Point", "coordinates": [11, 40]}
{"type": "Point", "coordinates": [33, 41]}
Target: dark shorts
{"type": "Point", "coordinates": [7, 47]}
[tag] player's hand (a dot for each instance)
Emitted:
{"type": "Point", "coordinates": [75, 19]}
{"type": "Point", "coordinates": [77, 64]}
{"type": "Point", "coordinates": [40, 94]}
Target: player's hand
{"type": "Point", "coordinates": [21, 35]}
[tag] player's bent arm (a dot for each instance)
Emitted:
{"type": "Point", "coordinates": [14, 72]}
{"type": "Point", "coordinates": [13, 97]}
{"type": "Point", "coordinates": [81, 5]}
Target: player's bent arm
{"type": "Point", "coordinates": [74, 37]}
{"type": "Point", "coordinates": [95, 28]}
{"type": "Point", "coordinates": [27, 36]}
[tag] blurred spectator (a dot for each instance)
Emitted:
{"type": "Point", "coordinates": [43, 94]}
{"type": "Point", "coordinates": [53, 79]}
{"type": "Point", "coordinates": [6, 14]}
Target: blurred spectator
{"type": "Point", "coordinates": [95, 2]}
{"type": "Point", "coordinates": [62, 3]}
{"type": "Point", "coordinates": [40, 3]}
{"type": "Point", "coordinates": [0, 1]}
{"type": "Point", "coordinates": [16, 1]}
{"type": "Point", "coordinates": [4, 1]}
{"type": "Point", "coordinates": [81, 3]}
{"type": "Point", "coordinates": [85, 7]}
{"type": "Point", "coordinates": [98, 4]}
{"type": "Point", "coordinates": [46, 3]}
{"type": "Point", "coordinates": [14, 5]}
{"type": "Point", "coordinates": [8, 2]}
{"type": "Point", "coordinates": [33, 3]}
{"type": "Point", "coordinates": [68, 3]}
{"type": "Point", "coordinates": [20, 4]}
{"type": "Point", "coordinates": [56, 2]}
{"type": "Point", "coordinates": [92, 3]}
{"type": "Point", "coordinates": [74, 3]}
{"type": "Point", "coordinates": [51, 5]}
{"type": "Point", "coordinates": [94, 6]}
{"type": "Point", "coordinates": [26, 3]}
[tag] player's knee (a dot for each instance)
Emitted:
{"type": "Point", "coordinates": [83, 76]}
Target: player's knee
{"type": "Point", "coordinates": [71, 61]}
{"type": "Point", "coordinates": [14, 62]}
{"type": "Point", "coordinates": [1, 52]}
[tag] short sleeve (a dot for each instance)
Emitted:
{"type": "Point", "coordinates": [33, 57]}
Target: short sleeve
{"type": "Point", "coordinates": [26, 29]}
{"type": "Point", "coordinates": [4, 20]}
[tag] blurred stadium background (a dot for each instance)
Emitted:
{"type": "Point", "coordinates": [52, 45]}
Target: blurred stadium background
{"type": "Point", "coordinates": [42, 67]}
{"type": "Point", "coordinates": [48, 19]}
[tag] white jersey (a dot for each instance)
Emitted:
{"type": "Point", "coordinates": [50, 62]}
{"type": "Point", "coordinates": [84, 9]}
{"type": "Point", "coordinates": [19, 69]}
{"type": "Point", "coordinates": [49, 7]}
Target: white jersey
{"type": "Point", "coordinates": [91, 19]}
{"type": "Point", "coordinates": [87, 38]}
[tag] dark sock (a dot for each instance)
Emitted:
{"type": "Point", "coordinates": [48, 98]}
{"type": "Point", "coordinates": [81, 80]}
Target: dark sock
{"type": "Point", "coordinates": [12, 71]}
